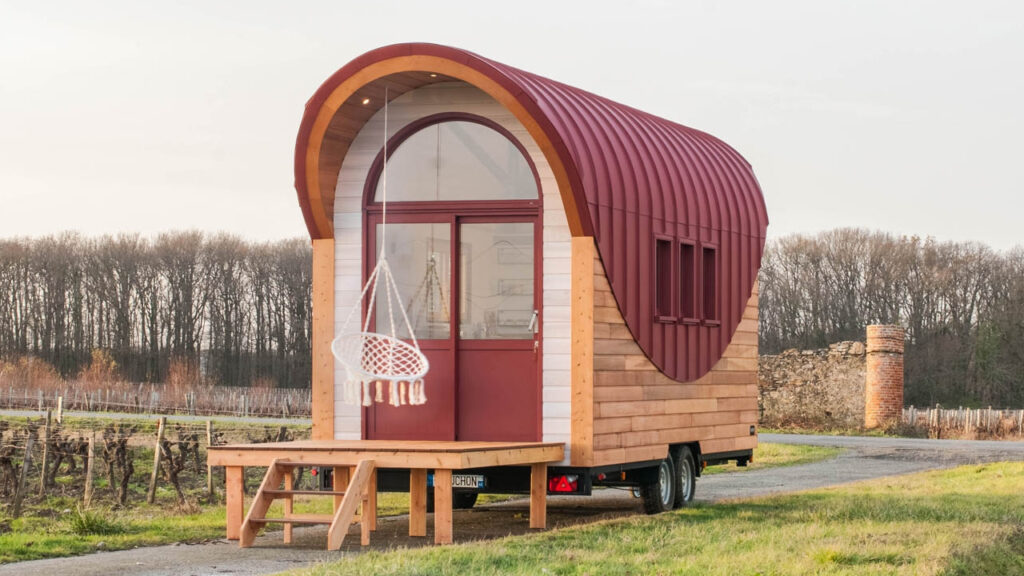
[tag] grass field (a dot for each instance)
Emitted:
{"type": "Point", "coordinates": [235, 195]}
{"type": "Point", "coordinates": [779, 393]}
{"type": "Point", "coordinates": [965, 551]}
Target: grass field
{"type": "Point", "coordinates": [969, 520]}
{"type": "Point", "coordinates": [55, 527]}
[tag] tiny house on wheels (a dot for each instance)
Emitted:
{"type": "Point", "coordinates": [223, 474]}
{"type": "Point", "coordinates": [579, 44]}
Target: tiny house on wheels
{"type": "Point", "coordinates": [580, 275]}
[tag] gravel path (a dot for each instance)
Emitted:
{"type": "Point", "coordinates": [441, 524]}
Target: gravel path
{"type": "Point", "coordinates": [863, 458]}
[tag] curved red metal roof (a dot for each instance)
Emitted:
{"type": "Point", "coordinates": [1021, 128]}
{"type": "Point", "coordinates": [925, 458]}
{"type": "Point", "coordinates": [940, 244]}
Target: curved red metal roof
{"type": "Point", "coordinates": [633, 175]}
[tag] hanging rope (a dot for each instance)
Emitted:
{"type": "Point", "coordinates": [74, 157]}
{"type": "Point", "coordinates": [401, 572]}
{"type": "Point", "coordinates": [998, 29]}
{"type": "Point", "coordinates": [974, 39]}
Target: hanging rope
{"type": "Point", "coordinates": [373, 359]}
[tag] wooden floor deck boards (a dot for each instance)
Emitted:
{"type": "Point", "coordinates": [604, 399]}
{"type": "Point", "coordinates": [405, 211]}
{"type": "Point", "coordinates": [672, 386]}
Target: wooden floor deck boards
{"type": "Point", "coordinates": [389, 453]}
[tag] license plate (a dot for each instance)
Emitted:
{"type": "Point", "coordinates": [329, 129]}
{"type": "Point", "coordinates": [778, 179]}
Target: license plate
{"type": "Point", "coordinates": [475, 481]}
{"type": "Point", "coordinates": [467, 481]}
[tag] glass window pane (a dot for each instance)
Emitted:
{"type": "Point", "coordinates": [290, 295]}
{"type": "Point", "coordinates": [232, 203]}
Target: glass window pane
{"type": "Point", "coordinates": [477, 163]}
{"type": "Point", "coordinates": [496, 281]}
{"type": "Point", "coordinates": [412, 169]}
{"type": "Point", "coordinates": [457, 160]}
{"type": "Point", "coordinates": [420, 259]}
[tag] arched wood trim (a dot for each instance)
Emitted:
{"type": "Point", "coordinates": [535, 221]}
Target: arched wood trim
{"type": "Point", "coordinates": [313, 189]}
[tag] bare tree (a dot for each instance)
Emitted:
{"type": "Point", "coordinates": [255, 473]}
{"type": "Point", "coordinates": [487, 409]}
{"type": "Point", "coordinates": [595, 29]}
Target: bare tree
{"type": "Point", "coordinates": [962, 305]}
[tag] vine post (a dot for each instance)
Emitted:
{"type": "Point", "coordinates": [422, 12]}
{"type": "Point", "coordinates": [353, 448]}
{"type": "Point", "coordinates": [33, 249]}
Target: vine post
{"type": "Point", "coordinates": [151, 495]}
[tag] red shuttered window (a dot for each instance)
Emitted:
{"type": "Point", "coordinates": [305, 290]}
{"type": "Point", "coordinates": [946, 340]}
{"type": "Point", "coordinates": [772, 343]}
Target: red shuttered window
{"type": "Point", "coordinates": [709, 300]}
{"type": "Point", "coordinates": [687, 282]}
{"type": "Point", "coordinates": [663, 293]}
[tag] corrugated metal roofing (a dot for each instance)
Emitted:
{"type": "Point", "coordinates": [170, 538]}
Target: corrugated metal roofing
{"type": "Point", "coordinates": [633, 176]}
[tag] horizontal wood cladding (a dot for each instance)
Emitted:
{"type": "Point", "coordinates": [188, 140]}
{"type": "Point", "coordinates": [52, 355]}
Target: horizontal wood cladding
{"type": "Point", "coordinates": [638, 411]}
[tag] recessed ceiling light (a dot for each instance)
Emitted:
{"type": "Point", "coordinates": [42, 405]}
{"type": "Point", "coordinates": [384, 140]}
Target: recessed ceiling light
{"type": "Point", "coordinates": [366, 101]}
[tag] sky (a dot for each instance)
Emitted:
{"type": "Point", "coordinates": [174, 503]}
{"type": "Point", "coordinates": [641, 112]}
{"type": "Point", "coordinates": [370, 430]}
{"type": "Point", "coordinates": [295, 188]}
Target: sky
{"type": "Point", "coordinates": [905, 117]}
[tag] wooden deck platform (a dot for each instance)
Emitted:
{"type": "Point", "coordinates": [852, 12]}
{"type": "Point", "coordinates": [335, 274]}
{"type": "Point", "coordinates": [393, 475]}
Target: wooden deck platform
{"type": "Point", "coordinates": [418, 457]}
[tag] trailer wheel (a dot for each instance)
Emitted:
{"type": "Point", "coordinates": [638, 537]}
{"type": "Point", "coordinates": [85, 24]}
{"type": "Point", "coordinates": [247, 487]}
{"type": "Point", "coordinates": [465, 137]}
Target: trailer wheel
{"type": "Point", "coordinates": [686, 477]}
{"type": "Point", "coordinates": [659, 489]}
{"type": "Point", "coordinates": [460, 500]}
{"type": "Point", "coordinates": [464, 500]}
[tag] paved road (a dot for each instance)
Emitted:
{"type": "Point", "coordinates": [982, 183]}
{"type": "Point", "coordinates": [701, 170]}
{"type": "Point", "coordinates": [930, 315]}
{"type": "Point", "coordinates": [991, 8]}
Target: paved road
{"type": "Point", "coordinates": [172, 417]}
{"type": "Point", "coordinates": [863, 458]}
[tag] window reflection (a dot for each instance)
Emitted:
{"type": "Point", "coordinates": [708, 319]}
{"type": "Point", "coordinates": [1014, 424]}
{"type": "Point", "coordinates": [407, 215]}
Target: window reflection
{"type": "Point", "coordinates": [420, 259]}
{"type": "Point", "coordinates": [457, 160]}
{"type": "Point", "coordinates": [496, 281]}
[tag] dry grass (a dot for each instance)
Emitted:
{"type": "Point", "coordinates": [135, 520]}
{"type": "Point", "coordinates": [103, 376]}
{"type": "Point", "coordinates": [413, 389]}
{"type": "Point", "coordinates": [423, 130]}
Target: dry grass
{"type": "Point", "coordinates": [969, 520]}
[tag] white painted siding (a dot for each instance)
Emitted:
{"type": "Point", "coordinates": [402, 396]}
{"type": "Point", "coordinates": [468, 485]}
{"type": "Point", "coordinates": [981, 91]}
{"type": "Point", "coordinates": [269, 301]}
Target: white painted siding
{"type": "Point", "coordinates": [557, 249]}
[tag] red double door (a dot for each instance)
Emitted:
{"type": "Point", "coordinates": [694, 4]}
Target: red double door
{"type": "Point", "coordinates": [471, 288]}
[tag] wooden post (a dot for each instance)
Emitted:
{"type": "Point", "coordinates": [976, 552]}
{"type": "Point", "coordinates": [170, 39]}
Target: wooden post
{"type": "Point", "coordinates": [60, 410]}
{"type": "Point", "coordinates": [89, 467]}
{"type": "Point", "coordinates": [339, 482]}
{"type": "Point", "coordinates": [209, 469]}
{"type": "Point", "coordinates": [538, 495]}
{"type": "Point", "coordinates": [369, 516]}
{"type": "Point", "coordinates": [289, 484]}
{"type": "Point", "coordinates": [151, 495]}
{"type": "Point", "coordinates": [417, 502]}
{"type": "Point", "coordinates": [234, 499]}
{"type": "Point", "coordinates": [582, 351]}
{"type": "Point", "coordinates": [322, 390]}
{"type": "Point", "coordinates": [19, 492]}
{"type": "Point", "coordinates": [46, 452]}
{"type": "Point", "coordinates": [442, 506]}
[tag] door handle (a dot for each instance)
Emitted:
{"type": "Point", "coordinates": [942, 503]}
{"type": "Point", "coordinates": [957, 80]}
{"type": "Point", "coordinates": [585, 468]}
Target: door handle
{"type": "Point", "coordinates": [533, 323]}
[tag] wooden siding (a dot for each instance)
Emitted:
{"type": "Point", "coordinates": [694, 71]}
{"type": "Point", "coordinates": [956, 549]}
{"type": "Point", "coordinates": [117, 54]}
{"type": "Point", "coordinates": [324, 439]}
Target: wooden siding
{"type": "Point", "coordinates": [638, 411]}
{"type": "Point", "coordinates": [557, 250]}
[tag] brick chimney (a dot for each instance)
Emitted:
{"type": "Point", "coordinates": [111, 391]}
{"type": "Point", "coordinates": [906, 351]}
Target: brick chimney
{"type": "Point", "coordinates": [883, 390]}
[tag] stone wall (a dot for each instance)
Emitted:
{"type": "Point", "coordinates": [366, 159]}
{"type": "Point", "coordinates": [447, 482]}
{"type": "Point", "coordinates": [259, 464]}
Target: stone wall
{"type": "Point", "coordinates": [813, 388]}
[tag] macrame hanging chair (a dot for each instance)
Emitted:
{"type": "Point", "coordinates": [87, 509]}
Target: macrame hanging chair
{"type": "Point", "coordinates": [374, 361]}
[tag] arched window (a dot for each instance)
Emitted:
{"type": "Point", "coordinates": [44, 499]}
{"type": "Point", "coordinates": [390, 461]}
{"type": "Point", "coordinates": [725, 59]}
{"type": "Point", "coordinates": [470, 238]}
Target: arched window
{"type": "Point", "coordinates": [456, 160]}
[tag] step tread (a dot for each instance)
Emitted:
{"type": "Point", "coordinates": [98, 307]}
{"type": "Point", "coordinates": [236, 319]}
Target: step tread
{"type": "Point", "coordinates": [301, 464]}
{"type": "Point", "coordinates": [304, 492]}
{"type": "Point", "coordinates": [296, 519]}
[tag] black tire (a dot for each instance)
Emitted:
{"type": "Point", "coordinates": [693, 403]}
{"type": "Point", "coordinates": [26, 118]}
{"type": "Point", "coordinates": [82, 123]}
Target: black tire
{"type": "Point", "coordinates": [686, 477]}
{"type": "Point", "coordinates": [659, 490]}
{"type": "Point", "coordinates": [460, 500]}
{"type": "Point", "coordinates": [464, 500]}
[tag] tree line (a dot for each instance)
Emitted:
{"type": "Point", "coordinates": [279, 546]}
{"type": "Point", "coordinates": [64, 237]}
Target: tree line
{"type": "Point", "coordinates": [962, 305]}
{"type": "Point", "coordinates": [211, 308]}
{"type": "Point", "coordinates": [226, 311]}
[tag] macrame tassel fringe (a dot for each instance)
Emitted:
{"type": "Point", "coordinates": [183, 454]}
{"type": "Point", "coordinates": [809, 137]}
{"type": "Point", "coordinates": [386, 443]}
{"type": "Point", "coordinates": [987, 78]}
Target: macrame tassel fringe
{"type": "Point", "coordinates": [367, 399]}
{"type": "Point", "coordinates": [420, 392]}
{"type": "Point", "coordinates": [393, 398]}
{"type": "Point", "coordinates": [350, 391]}
{"type": "Point", "coordinates": [400, 393]}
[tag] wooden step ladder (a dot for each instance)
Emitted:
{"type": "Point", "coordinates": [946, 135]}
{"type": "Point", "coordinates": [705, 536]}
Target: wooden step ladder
{"type": "Point", "coordinates": [361, 490]}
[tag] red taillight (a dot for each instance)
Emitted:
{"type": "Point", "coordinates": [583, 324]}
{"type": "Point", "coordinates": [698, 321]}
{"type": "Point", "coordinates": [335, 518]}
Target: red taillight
{"type": "Point", "coordinates": [564, 483]}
